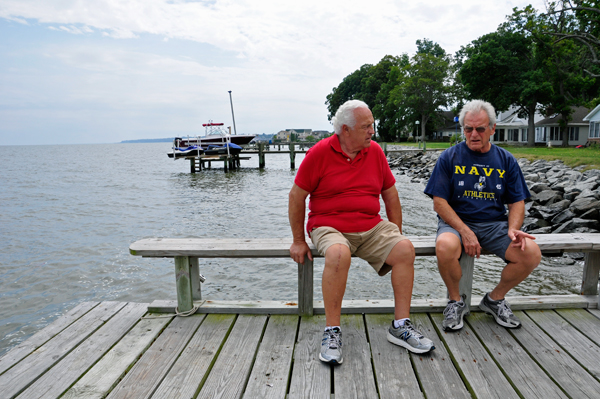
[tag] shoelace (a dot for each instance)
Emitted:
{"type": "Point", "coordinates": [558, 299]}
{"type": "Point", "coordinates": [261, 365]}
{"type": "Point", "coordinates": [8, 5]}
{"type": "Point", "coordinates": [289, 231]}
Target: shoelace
{"type": "Point", "coordinates": [333, 340]}
{"type": "Point", "coordinates": [451, 311]}
{"type": "Point", "coordinates": [504, 310]}
{"type": "Point", "coordinates": [412, 329]}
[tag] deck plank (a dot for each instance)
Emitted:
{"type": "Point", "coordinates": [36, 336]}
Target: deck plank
{"type": "Point", "coordinates": [41, 337]}
{"type": "Point", "coordinates": [394, 372]}
{"type": "Point", "coordinates": [271, 371]}
{"type": "Point", "coordinates": [524, 373]}
{"type": "Point", "coordinates": [595, 312]}
{"type": "Point", "coordinates": [561, 367]}
{"type": "Point", "coordinates": [191, 368]}
{"type": "Point", "coordinates": [311, 378]}
{"type": "Point", "coordinates": [229, 375]}
{"type": "Point", "coordinates": [435, 370]}
{"type": "Point", "coordinates": [584, 350]}
{"type": "Point", "coordinates": [24, 373]}
{"type": "Point", "coordinates": [60, 377]}
{"type": "Point", "coordinates": [354, 377]}
{"type": "Point", "coordinates": [100, 379]}
{"type": "Point", "coordinates": [483, 375]}
{"type": "Point", "coordinates": [584, 321]}
{"type": "Point", "coordinates": [145, 376]}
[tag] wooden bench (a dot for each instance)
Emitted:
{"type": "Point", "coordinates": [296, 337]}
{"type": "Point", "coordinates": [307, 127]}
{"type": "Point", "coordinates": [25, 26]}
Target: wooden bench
{"type": "Point", "coordinates": [187, 252]}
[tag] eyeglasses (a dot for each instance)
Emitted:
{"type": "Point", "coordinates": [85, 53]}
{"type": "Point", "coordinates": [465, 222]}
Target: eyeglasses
{"type": "Point", "coordinates": [480, 129]}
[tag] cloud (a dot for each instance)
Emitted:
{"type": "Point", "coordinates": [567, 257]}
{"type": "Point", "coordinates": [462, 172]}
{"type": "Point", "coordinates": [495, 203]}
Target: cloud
{"type": "Point", "coordinates": [137, 60]}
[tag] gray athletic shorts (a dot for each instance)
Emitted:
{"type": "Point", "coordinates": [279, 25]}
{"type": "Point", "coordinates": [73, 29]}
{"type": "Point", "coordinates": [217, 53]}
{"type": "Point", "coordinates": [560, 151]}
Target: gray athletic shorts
{"type": "Point", "coordinates": [493, 236]}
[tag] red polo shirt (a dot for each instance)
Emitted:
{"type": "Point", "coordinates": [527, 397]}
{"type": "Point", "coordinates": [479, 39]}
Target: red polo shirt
{"type": "Point", "coordinates": [344, 192]}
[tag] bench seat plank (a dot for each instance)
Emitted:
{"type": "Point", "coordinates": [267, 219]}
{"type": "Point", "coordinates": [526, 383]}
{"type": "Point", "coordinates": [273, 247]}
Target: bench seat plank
{"type": "Point", "coordinates": [279, 247]}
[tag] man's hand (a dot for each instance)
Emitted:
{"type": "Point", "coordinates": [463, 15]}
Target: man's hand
{"type": "Point", "coordinates": [470, 243]}
{"type": "Point", "coordinates": [298, 250]}
{"type": "Point", "coordinates": [518, 238]}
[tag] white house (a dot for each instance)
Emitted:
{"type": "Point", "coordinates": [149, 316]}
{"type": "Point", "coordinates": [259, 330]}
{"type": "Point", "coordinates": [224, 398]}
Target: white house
{"type": "Point", "coordinates": [511, 128]}
{"type": "Point", "coordinates": [594, 124]}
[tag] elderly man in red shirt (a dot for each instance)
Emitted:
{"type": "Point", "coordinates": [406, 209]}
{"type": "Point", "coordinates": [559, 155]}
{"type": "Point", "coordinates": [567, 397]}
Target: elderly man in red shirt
{"type": "Point", "coordinates": [345, 174]}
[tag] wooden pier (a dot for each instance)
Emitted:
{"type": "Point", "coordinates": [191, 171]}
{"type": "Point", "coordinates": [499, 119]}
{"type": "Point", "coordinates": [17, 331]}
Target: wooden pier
{"type": "Point", "coordinates": [118, 350]}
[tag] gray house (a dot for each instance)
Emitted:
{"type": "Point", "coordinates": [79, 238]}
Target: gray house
{"type": "Point", "coordinates": [593, 118]}
{"type": "Point", "coordinates": [548, 131]}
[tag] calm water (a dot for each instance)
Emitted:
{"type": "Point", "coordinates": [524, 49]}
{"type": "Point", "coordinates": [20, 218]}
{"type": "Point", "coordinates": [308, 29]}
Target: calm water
{"type": "Point", "coordinates": [69, 214]}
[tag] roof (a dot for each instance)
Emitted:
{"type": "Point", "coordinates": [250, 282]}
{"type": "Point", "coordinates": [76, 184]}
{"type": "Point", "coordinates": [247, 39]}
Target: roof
{"type": "Point", "coordinates": [577, 117]}
{"type": "Point", "coordinates": [590, 116]}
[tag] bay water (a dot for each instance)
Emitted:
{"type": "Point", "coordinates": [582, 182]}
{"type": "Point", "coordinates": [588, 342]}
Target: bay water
{"type": "Point", "coordinates": [69, 214]}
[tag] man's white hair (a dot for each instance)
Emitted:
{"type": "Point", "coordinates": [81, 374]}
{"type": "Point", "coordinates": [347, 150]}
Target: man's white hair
{"type": "Point", "coordinates": [345, 115]}
{"type": "Point", "coordinates": [476, 106]}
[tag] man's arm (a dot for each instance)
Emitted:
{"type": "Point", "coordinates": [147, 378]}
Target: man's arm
{"type": "Point", "coordinates": [516, 215]}
{"type": "Point", "coordinates": [469, 240]}
{"type": "Point", "coordinates": [296, 212]}
{"type": "Point", "coordinates": [393, 209]}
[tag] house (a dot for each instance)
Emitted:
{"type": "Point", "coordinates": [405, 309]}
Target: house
{"type": "Point", "coordinates": [594, 124]}
{"type": "Point", "coordinates": [548, 130]}
{"type": "Point", "coordinates": [448, 127]}
{"type": "Point", "coordinates": [300, 134]}
{"type": "Point", "coordinates": [512, 128]}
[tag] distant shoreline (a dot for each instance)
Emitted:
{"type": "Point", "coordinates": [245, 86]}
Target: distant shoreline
{"type": "Point", "coordinates": [168, 140]}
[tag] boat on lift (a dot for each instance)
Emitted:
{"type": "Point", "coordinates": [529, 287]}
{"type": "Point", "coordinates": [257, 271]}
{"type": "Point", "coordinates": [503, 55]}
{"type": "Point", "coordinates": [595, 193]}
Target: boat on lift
{"type": "Point", "coordinates": [182, 149]}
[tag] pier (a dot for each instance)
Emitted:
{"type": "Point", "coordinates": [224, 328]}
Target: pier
{"type": "Point", "coordinates": [232, 162]}
{"type": "Point", "coordinates": [269, 349]}
{"type": "Point", "coordinates": [119, 350]}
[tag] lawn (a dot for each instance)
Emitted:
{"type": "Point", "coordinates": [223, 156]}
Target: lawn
{"type": "Point", "coordinates": [571, 156]}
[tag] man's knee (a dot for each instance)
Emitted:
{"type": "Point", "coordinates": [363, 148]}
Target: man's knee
{"type": "Point", "coordinates": [338, 256]}
{"type": "Point", "coordinates": [448, 246]}
{"type": "Point", "coordinates": [529, 258]}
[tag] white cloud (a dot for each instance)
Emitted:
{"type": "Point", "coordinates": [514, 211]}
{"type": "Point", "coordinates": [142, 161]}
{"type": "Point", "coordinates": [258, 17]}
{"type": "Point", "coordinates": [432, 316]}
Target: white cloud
{"type": "Point", "coordinates": [280, 58]}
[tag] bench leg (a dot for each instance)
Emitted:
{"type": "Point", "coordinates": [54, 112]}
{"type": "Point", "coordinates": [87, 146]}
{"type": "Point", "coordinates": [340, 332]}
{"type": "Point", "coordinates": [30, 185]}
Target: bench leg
{"type": "Point", "coordinates": [591, 271]}
{"type": "Point", "coordinates": [465, 285]}
{"type": "Point", "coordinates": [305, 287]}
{"type": "Point", "coordinates": [195, 279]}
{"type": "Point", "coordinates": [183, 283]}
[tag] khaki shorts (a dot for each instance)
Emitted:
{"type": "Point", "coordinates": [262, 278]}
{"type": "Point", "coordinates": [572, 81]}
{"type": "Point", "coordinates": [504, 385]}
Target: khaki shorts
{"type": "Point", "coordinates": [374, 245]}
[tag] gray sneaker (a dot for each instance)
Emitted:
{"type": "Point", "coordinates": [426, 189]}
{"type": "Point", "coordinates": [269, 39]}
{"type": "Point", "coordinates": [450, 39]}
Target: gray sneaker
{"type": "Point", "coordinates": [408, 337]}
{"type": "Point", "coordinates": [453, 315]}
{"type": "Point", "coordinates": [331, 346]}
{"type": "Point", "coordinates": [501, 312]}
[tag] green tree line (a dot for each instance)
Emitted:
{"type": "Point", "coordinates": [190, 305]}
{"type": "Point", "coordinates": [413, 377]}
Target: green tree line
{"type": "Point", "coordinates": [536, 61]}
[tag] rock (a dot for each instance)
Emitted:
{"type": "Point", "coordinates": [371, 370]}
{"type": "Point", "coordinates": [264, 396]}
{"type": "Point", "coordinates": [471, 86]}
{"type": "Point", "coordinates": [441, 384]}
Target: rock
{"type": "Point", "coordinates": [587, 193]}
{"type": "Point", "coordinates": [531, 224]}
{"type": "Point", "coordinates": [548, 197]}
{"type": "Point", "coordinates": [585, 230]}
{"type": "Point", "coordinates": [581, 206]}
{"type": "Point", "coordinates": [562, 217]}
{"type": "Point", "coordinates": [539, 187]}
{"type": "Point", "coordinates": [541, 230]}
{"type": "Point", "coordinates": [571, 196]}
{"type": "Point", "coordinates": [533, 177]}
{"type": "Point", "coordinates": [576, 255]}
{"type": "Point", "coordinates": [592, 214]}
{"type": "Point", "coordinates": [578, 225]}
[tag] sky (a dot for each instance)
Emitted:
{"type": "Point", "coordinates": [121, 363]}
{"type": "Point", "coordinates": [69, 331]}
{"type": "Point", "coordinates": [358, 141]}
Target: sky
{"type": "Point", "coordinates": [103, 71]}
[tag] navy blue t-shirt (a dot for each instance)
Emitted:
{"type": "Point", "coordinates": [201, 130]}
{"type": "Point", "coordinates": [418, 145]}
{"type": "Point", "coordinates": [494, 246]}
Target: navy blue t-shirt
{"type": "Point", "coordinates": [477, 185]}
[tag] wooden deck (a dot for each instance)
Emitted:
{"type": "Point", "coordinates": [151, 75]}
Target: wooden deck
{"type": "Point", "coordinates": [118, 349]}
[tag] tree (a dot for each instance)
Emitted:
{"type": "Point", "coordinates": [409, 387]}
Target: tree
{"type": "Point", "coordinates": [365, 84]}
{"type": "Point", "coordinates": [563, 62]}
{"type": "Point", "coordinates": [425, 88]}
{"type": "Point", "coordinates": [503, 68]}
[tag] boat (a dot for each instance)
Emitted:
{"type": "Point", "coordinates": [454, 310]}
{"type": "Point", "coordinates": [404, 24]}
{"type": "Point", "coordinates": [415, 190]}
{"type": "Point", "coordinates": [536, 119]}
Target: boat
{"type": "Point", "coordinates": [215, 134]}
{"type": "Point", "coordinates": [182, 150]}
{"type": "Point", "coordinates": [228, 148]}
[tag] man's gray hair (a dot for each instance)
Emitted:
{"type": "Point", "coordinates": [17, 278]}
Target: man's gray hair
{"type": "Point", "coordinates": [477, 106]}
{"type": "Point", "coordinates": [345, 115]}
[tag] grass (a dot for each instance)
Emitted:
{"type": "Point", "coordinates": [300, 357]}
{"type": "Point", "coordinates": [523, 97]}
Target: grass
{"type": "Point", "coordinates": [571, 156]}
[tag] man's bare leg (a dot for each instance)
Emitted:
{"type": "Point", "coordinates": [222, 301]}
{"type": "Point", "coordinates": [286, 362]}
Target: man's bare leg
{"type": "Point", "coordinates": [402, 261]}
{"type": "Point", "coordinates": [448, 250]}
{"type": "Point", "coordinates": [521, 265]}
{"type": "Point", "coordinates": [335, 275]}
